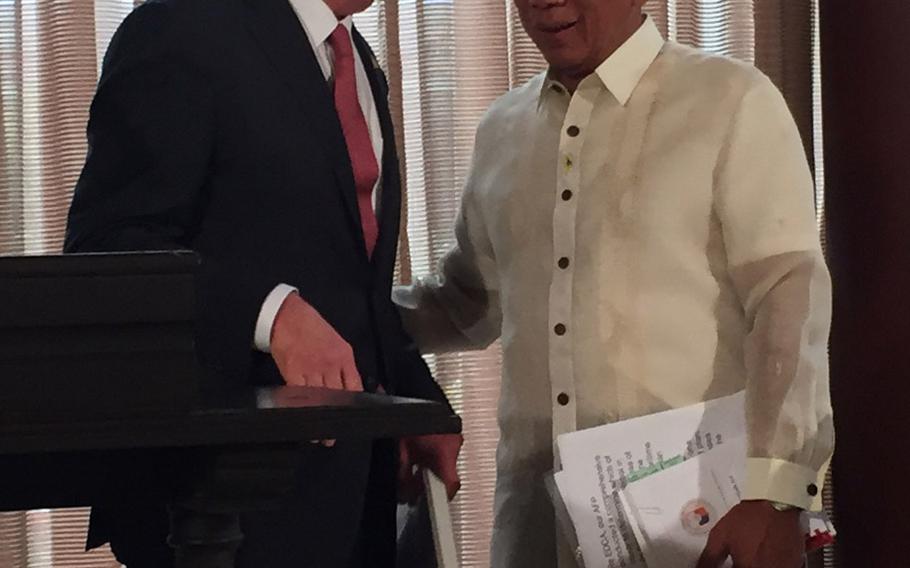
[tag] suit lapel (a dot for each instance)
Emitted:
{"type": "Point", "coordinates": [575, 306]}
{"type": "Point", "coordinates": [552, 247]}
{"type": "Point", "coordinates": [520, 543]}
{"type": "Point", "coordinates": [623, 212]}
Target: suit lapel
{"type": "Point", "coordinates": [282, 38]}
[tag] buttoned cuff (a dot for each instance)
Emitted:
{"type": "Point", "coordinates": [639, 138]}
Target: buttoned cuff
{"type": "Point", "coordinates": [262, 339]}
{"type": "Point", "coordinates": [784, 482]}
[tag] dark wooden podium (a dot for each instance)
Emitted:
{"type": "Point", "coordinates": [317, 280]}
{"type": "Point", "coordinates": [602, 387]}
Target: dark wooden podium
{"type": "Point", "coordinates": [71, 413]}
{"type": "Point", "coordinates": [243, 450]}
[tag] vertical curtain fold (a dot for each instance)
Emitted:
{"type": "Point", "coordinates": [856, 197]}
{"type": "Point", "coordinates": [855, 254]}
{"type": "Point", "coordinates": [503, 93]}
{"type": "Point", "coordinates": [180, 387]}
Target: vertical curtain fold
{"type": "Point", "coordinates": [525, 60]}
{"type": "Point", "coordinates": [67, 75]}
{"type": "Point", "coordinates": [784, 51]}
{"type": "Point", "coordinates": [14, 535]}
{"type": "Point", "coordinates": [12, 235]}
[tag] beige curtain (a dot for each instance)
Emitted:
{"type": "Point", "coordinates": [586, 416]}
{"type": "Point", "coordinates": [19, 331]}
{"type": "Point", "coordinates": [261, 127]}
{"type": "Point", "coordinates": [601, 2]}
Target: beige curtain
{"type": "Point", "coordinates": [447, 60]}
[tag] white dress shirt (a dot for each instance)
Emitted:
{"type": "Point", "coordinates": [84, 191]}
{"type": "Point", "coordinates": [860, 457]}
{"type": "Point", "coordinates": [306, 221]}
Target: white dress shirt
{"type": "Point", "coordinates": [644, 243]}
{"type": "Point", "coordinates": [319, 22]}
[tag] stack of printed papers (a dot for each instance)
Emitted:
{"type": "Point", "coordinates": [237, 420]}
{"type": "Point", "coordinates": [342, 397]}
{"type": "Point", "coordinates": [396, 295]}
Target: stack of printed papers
{"type": "Point", "coordinates": [645, 493]}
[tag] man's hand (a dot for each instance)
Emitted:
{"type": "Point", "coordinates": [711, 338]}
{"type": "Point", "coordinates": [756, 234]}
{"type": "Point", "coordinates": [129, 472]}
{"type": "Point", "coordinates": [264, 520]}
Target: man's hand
{"type": "Point", "coordinates": [756, 535]}
{"type": "Point", "coordinates": [438, 453]}
{"type": "Point", "coordinates": [309, 352]}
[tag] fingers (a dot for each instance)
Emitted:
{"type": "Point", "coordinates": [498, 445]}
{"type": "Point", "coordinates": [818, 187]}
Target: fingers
{"type": "Point", "coordinates": [782, 551]}
{"type": "Point", "coordinates": [313, 380]}
{"type": "Point", "coordinates": [298, 380]}
{"type": "Point", "coordinates": [711, 559]}
{"type": "Point", "coordinates": [453, 486]}
{"type": "Point", "coordinates": [343, 378]}
{"type": "Point", "coordinates": [304, 380]}
{"type": "Point", "coordinates": [448, 473]}
{"type": "Point", "coordinates": [440, 455]}
{"type": "Point", "coordinates": [715, 552]}
{"type": "Point", "coordinates": [351, 377]}
{"type": "Point", "coordinates": [333, 379]}
{"type": "Point", "coordinates": [338, 378]}
{"type": "Point", "coordinates": [457, 442]}
{"type": "Point", "coordinates": [309, 351]}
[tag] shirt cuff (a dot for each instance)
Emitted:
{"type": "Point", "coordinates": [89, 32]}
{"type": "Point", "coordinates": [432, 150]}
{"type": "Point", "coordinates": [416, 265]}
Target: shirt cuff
{"type": "Point", "coordinates": [778, 480]}
{"type": "Point", "coordinates": [262, 339]}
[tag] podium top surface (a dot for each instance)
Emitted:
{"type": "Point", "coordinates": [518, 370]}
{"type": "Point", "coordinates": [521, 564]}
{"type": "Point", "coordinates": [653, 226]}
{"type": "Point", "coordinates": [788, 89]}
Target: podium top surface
{"type": "Point", "coordinates": [255, 416]}
{"type": "Point", "coordinates": [99, 264]}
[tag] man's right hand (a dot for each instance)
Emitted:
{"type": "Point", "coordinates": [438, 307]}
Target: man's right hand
{"type": "Point", "coordinates": [308, 351]}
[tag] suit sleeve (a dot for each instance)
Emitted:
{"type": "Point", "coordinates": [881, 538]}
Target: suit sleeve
{"type": "Point", "coordinates": [412, 370]}
{"type": "Point", "coordinates": [151, 137]}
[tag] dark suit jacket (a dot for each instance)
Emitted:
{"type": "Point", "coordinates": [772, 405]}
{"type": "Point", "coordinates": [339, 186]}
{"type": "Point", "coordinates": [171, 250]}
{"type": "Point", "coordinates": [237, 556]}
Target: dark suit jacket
{"type": "Point", "coordinates": [213, 129]}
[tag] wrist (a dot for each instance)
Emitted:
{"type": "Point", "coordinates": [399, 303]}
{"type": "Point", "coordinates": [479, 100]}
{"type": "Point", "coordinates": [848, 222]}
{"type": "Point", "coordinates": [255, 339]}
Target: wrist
{"type": "Point", "coordinates": [268, 312]}
{"type": "Point", "coordinates": [288, 312]}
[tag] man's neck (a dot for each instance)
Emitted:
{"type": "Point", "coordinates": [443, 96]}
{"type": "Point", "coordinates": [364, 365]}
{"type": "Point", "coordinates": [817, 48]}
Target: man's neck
{"type": "Point", "coordinates": [623, 33]}
{"type": "Point", "coordinates": [337, 9]}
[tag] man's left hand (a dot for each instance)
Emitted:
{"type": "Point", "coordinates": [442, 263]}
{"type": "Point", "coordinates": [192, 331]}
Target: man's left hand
{"type": "Point", "coordinates": [438, 453]}
{"type": "Point", "coordinates": [756, 535]}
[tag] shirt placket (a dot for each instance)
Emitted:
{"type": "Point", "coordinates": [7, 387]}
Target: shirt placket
{"type": "Point", "coordinates": [562, 328]}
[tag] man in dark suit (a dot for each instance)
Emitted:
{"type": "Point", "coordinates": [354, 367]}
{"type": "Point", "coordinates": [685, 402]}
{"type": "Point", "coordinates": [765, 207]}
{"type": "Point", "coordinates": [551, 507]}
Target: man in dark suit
{"type": "Point", "coordinates": [257, 133]}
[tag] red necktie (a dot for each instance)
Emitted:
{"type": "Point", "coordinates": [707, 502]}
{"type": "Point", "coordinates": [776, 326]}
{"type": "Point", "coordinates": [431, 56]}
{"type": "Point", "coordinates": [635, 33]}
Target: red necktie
{"type": "Point", "coordinates": [356, 133]}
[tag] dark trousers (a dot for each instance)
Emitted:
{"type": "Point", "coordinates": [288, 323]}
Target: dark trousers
{"type": "Point", "coordinates": [329, 522]}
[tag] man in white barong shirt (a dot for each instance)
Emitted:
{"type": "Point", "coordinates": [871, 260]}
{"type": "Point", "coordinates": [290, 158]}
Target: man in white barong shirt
{"type": "Point", "coordinates": [638, 228]}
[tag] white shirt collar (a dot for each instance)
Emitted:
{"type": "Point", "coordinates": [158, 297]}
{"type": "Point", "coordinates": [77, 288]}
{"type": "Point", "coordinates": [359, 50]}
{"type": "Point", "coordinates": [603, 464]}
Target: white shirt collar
{"type": "Point", "coordinates": [318, 19]}
{"type": "Point", "coordinates": [623, 70]}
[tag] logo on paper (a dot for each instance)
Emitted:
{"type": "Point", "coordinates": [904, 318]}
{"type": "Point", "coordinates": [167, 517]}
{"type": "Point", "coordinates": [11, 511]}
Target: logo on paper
{"type": "Point", "coordinates": [698, 517]}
